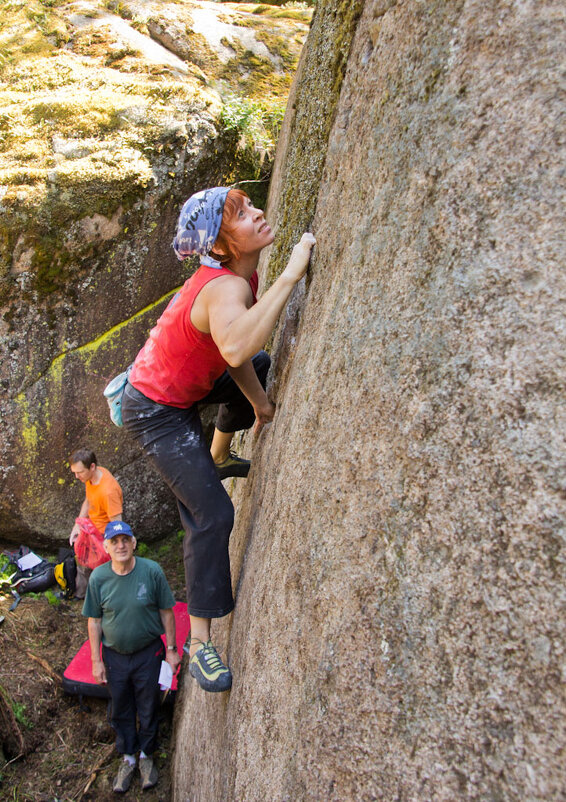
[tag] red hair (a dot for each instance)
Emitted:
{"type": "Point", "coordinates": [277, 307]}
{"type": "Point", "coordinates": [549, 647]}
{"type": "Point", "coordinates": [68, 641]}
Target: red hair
{"type": "Point", "coordinates": [225, 240]}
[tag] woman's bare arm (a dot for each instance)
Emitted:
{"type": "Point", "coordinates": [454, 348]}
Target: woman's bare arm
{"type": "Point", "coordinates": [239, 331]}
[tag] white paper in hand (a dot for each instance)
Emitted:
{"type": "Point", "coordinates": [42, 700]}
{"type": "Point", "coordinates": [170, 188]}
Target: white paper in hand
{"type": "Point", "coordinates": [165, 676]}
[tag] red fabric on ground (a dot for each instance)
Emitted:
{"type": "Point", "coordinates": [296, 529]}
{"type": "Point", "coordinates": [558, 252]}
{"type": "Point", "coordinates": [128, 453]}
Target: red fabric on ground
{"type": "Point", "coordinates": [80, 667]}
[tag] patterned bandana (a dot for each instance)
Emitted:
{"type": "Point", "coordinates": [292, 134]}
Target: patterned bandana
{"type": "Point", "coordinates": [199, 224]}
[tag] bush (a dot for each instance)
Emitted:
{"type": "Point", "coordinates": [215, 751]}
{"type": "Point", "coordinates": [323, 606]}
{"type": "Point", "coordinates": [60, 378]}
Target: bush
{"type": "Point", "coordinates": [257, 123]}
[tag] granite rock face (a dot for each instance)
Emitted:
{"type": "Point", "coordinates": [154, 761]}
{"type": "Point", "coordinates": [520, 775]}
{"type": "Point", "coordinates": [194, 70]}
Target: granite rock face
{"type": "Point", "coordinates": [398, 552]}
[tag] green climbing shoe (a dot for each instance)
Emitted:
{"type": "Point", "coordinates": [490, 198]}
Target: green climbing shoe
{"type": "Point", "coordinates": [209, 670]}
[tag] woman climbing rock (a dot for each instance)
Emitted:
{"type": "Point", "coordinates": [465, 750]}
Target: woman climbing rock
{"type": "Point", "coordinates": [206, 349]}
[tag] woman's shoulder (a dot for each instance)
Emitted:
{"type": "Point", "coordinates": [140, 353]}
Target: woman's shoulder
{"type": "Point", "coordinates": [225, 281]}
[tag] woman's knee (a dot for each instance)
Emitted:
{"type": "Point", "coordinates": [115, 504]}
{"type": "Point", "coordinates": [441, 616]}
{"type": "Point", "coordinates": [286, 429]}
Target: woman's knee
{"type": "Point", "coordinates": [216, 518]}
{"type": "Point", "coordinates": [223, 518]}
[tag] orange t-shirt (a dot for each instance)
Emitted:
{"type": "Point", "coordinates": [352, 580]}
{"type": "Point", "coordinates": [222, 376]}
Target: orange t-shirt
{"type": "Point", "coordinates": [105, 499]}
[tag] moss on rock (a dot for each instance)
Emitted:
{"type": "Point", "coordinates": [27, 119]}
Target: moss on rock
{"type": "Point", "coordinates": [319, 87]}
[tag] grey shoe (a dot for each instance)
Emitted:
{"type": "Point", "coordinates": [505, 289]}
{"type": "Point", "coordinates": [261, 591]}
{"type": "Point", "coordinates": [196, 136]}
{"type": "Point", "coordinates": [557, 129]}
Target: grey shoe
{"type": "Point", "coordinates": [123, 778]}
{"type": "Point", "coordinates": [148, 773]}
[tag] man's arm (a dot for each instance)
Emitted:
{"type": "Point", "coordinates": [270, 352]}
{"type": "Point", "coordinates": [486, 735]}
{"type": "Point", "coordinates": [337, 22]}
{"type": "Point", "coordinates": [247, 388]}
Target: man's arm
{"type": "Point", "coordinates": [95, 639]}
{"type": "Point", "coordinates": [83, 513]}
{"type": "Point", "coordinates": [248, 382]}
{"type": "Point", "coordinates": [168, 621]}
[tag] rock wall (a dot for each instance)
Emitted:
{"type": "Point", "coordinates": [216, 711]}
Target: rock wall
{"type": "Point", "coordinates": [59, 349]}
{"type": "Point", "coordinates": [398, 551]}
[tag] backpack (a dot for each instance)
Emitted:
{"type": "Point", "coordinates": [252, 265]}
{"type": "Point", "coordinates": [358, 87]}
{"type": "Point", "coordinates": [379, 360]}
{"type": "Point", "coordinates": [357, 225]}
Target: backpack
{"type": "Point", "coordinates": [66, 573]}
{"type": "Point", "coordinates": [14, 556]}
{"type": "Point", "coordinates": [34, 580]}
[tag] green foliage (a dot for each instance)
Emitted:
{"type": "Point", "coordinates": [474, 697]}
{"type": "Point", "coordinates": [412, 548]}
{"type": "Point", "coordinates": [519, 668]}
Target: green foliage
{"type": "Point", "coordinates": [6, 572]}
{"type": "Point", "coordinates": [164, 550]}
{"type": "Point", "coordinates": [18, 709]}
{"type": "Point", "coordinates": [250, 131]}
{"type": "Point", "coordinates": [52, 598]}
{"type": "Point", "coordinates": [143, 549]}
{"type": "Point", "coordinates": [256, 122]}
{"type": "Point", "coordinates": [20, 714]}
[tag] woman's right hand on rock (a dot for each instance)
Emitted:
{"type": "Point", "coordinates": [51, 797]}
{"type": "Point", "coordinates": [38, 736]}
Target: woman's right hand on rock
{"type": "Point", "coordinates": [264, 413]}
{"type": "Point", "coordinates": [298, 263]}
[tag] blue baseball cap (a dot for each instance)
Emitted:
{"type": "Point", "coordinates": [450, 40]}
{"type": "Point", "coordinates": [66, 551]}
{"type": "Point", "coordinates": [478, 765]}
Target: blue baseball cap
{"type": "Point", "coordinates": [117, 528]}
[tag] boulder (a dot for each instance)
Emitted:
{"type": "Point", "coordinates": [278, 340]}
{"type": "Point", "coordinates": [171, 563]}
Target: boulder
{"type": "Point", "coordinates": [398, 553]}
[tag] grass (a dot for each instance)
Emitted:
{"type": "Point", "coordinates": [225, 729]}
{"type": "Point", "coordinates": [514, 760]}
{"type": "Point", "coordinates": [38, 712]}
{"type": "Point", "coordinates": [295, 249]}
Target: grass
{"type": "Point", "coordinates": [52, 598]}
{"type": "Point", "coordinates": [250, 130]}
{"type": "Point", "coordinates": [19, 711]}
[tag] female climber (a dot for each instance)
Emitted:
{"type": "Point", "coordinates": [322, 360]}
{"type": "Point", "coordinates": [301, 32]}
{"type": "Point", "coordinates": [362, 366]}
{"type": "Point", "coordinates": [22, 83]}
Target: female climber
{"type": "Point", "coordinates": [206, 349]}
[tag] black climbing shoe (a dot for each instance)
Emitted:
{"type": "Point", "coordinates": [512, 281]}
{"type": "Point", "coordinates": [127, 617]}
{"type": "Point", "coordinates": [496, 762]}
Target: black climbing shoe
{"type": "Point", "coordinates": [232, 466]}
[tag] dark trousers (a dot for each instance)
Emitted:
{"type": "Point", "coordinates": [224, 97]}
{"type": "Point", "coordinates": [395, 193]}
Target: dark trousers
{"type": "Point", "coordinates": [173, 440]}
{"type": "Point", "coordinates": [133, 684]}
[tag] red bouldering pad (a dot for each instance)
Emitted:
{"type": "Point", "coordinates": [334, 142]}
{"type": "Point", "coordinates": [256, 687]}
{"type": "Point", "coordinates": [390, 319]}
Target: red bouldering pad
{"type": "Point", "coordinates": [78, 679]}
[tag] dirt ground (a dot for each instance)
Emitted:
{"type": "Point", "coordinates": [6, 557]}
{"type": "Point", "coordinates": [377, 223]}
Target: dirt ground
{"type": "Point", "coordinates": [58, 752]}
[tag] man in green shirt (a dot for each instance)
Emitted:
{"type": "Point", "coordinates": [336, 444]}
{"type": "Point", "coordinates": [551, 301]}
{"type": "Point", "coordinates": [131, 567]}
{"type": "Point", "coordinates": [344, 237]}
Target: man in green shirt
{"type": "Point", "coordinates": [129, 605]}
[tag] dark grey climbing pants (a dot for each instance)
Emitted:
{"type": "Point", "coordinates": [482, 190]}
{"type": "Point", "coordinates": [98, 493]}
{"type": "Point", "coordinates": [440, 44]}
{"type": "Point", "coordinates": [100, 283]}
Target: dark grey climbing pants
{"type": "Point", "coordinates": [173, 440]}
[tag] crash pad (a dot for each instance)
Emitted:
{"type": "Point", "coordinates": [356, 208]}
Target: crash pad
{"type": "Point", "coordinates": [78, 679]}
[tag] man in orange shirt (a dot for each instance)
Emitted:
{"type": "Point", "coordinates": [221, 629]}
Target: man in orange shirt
{"type": "Point", "coordinates": [102, 504]}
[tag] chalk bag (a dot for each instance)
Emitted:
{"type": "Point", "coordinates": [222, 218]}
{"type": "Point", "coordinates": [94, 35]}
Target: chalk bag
{"type": "Point", "coordinates": [113, 393]}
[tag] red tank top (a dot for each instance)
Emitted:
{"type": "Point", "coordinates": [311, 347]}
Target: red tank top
{"type": "Point", "coordinates": [179, 364]}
